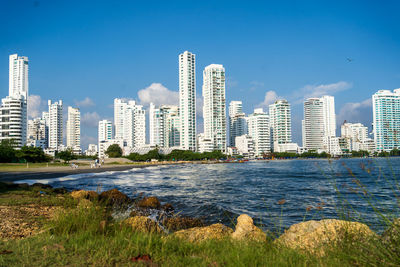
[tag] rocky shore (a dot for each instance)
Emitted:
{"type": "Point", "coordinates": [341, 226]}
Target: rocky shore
{"type": "Point", "coordinates": [147, 214]}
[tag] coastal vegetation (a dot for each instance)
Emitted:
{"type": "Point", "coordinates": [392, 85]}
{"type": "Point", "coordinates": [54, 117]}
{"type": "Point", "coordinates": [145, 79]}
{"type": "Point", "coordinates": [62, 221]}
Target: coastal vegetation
{"type": "Point", "coordinates": [177, 155]}
{"type": "Point", "coordinates": [78, 229]}
{"type": "Point", "coordinates": [8, 153]}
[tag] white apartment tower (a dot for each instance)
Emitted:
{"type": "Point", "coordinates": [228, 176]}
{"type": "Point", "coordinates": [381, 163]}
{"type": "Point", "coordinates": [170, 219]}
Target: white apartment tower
{"type": "Point", "coordinates": [14, 118]}
{"type": "Point", "coordinates": [259, 130]}
{"type": "Point", "coordinates": [156, 129]}
{"type": "Point", "coordinates": [214, 109]}
{"type": "Point", "coordinates": [74, 129]}
{"type": "Point", "coordinates": [237, 122]}
{"type": "Point", "coordinates": [187, 100]}
{"type": "Point", "coordinates": [130, 122]}
{"type": "Point", "coordinates": [281, 124]}
{"type": "Point", "coordinates": [55, 124]}
{"type": "Point", "coordinates": [386, 115]}
{"type": "Point", "coordinates": [164, 126]}
{"type": "Point", "coordinates": [105, 130]}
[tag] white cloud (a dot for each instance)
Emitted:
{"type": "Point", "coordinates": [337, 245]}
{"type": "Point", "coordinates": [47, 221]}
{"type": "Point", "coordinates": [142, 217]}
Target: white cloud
{"type": "Point", "coordinates": [320, 90]}
{"type": "Point", "coordinates": [255, 85]}
{"type": "Point", "coordinates": [270, 97]}
{"type": "Point", "coordinates": [158, 94]}
{"type": "Point", "coordinates": [356, 112]}
{"type": "Point", "coordinates": [35, 106]}
{"type": "Point", "coordinates": [87, 102]}
{"type": "Point", "coordinates": [86, 140]}
{"type": "Point", "coordinates": [90, 119]}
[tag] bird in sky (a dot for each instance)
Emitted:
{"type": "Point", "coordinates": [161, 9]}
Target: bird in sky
{"type": "Point", "coordinates": [349, 59]}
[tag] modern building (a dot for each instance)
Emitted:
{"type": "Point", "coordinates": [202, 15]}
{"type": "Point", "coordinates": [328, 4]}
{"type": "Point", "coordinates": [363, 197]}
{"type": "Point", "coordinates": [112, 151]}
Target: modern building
{"type": "Point", "coordinates": [245, 146]}
{"type": "Point", "coordinates": [105, 131]}
{"type": "Point", "coordinates": [187, 100]}
{"type": "Point", "coordinates": [237, 121]}
{"type": "Point", "coordinates": [386, 119]}
{"type": "Point", "coordinates": [74, 130]}
{"type": "Point", "coordinates": [14, 117]}
{"type": "Point", "coordinates": [281, 124]}
{"type": "Point", "coordinates": [214, 108]}
{"type": "Point", "coordinates": [92, 150]}
{"type": "Point", "coordinates": [204, 144]}
{"type": "Point", "coordinates": [164, 126]}
{"type": "Point", "coordinates": [55, 122]}
{"type": "Point", "coordinates": [130, 122]}
{"type": "Point", "coordinates": [259, 130]}
{"type": "Point", "coordinates": [156, 129]}
{"type": "Point", "coordinates": [37, 133]}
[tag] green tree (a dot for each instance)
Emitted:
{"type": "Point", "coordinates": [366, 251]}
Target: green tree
{"type": "Point", "coordinates": [32, 154]}
{"type": "Point", "coordinates": [114, 151]}
{"type": "Point", "coordinates": [7, 151]}
{"type": "Point", "coordinates": [66, 155]}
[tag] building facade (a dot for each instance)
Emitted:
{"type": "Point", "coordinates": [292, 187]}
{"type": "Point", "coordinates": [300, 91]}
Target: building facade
{"type": "Point", "coordinates": [386, 119]}
{"type": "Point", "coordinates": [259, 131]}
{"type": "Point", "coordinates": [55, 124]}
{"type": "Point", "coordinates": [214, 108]}
{"type": "Point", "coordinates": [237, 121]}
{"type": "Point", "coordinates": [74, 130]}
{"type": "Point", "coordinates": [245, 146]}
{"type": "Point", "coordinates": [187, 100]}
{"type": "Point", "coordinates": [281, 123]}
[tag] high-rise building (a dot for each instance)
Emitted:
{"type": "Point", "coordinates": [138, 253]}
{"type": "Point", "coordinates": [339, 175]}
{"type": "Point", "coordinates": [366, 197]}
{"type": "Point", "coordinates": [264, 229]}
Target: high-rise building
{"type": "Point", "coordinates": [13, 120]}
{"type": "Point", "coordinates": [74, 129]}
{"type": "Point", "coordinates": [164, 126]}
{"type": "Point", "coordinates": [214, 108]}
{"type": "Point", "coordinates": [130, 122]}
{"type": "Point", "coordinates": [259, 130]}
{"type": "Point", "coordinates": [245, 146]}
{"type": "Point", "coordinates": [14, 117]}
{"type": "Point", "coordinates": [386, 115]}
{"type": "Point", "coordinates": [237, 122]}
{"type": "Point", "coordinates": [187, 100]}
{"type": "Point", "coordinates": [55, 124]}
{"type": "Point", "coordinates": [319, 125]}
{"type": "Point", "coordinates": [37, 129]}
{"type": "Point", "coordinates": [355, 137]}
{"type": "Point", "coordinates": [105, 130]}
{"type": "Point", "coordinates": [281, 124]}
{"type": "Point", "coordinates": [18, 86]}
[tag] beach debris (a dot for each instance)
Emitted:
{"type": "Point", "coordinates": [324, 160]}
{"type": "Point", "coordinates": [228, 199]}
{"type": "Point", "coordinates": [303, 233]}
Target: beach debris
{"type": "Point", "coordinates": [246, 230]}
{"type": "Point", "coordinates": [199, 234]}
{"type": "Point", "coordinates": [317, 236]}
{"type": "Point", "coordinates": [83, 194]}
{"type": "Point", "coordinates": [149, 202]}
{"type": "Point", "coordinates": [146, 259]}
{"type": "Point", "coordinates": [114, 197]}
{"type": "Point", "coordinates": [143, 224]}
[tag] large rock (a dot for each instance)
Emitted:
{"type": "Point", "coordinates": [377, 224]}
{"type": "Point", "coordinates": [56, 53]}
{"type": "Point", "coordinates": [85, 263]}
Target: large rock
{"type": "Point", "coordinates": [149, 202]}
{"type": "Point", "coordinates": [114, 197]}
{"type": "Point", "coordinates": [246, 230]}
{"type": "Point", "coordinates": [143, 224]}
{"type": "Point", "coordinates": [83, 194]}
{"type": "Point", "coordinates": [391, 236]}
{"type": "Point", "coordinates": [198, 234]}
{"type": "Point", "coordinates": [180, 223]}
{"type": "Point", "coordinates": [316, 236]}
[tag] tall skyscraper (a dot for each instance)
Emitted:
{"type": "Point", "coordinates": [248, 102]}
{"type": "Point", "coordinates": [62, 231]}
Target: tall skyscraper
{"type": "Point", "coordinates": [55, 124]}
{"type": "Point", "coordinates": [386, 114]}
{"type": "Point", "coordinates": [187, 100]}
{"type": "Point", "coordinates": [281, 123]}
{"type": "Point", "coordinates": [18, 86]}
{"type": "Point", "coordinates": [74, 129]}
{"type": "Point", "coordinates": [14, 117]}
{"type": "Point", "coordinates": [130, 122]}
{"type": "Point", "coordinates": [214, 109]}
{"type": "Point", "coordinates": [156, 129]}
{"type": "Point", "coordinates": [237, 122]}
{"type": "Point", "coordinates": [105, 130]}
{"type": "Point", "coordinates": [259, 130]}
{"type": "Point", "coordinates": [313, 124]}
{"type": "Point", "coordinates": [329, 115]}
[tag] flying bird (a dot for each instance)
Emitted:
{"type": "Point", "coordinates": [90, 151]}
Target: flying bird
{"type": "Point", "coordinates": [349, 59]}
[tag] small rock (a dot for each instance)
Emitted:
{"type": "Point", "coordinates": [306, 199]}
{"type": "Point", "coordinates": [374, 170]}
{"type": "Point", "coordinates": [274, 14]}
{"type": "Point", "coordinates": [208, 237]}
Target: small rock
{"type": "Point", "coordinates": [180, 223]}
{"type": "Point", "coordinates": [167, 207]}
{"type": "Point", "coordinates": [246, 230]}
{"type": "Point", "coordinates": [83, 194]}
{"type": "Point", "coordinates": [149, 202]}
{"type": "Point", "coordinates": [143, 224]}
{"type": "Point", "coordinates": [316, 236]}
{"type": "Point", "coordinates": [114, 197]}
{"type": "Point", "coordinates": [61, 190]}
{"type": "Point", "coordinates": [198, 234]}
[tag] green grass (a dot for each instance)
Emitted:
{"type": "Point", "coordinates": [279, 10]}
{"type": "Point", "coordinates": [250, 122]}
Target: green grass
{"type": "Point", "coordinates": [76, 238]}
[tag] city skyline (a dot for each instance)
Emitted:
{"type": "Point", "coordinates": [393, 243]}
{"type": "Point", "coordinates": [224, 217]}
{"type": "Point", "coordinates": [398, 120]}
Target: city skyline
{"type": "Point", "coordinates": [277, 51]}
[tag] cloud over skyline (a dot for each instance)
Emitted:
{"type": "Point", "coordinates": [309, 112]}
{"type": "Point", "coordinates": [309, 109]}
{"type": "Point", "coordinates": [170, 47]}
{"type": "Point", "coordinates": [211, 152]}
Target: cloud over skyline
{"type": "Point", "coordinates": [158, 94]}
{"type": "Point", "coordinates": [35, 106]}
{"type": "Point", "coordinates": [90, 119]}
{"type": "Point", "coordinates": [87, 102]}
{"type": "Point", "coordinates": [309, 91]}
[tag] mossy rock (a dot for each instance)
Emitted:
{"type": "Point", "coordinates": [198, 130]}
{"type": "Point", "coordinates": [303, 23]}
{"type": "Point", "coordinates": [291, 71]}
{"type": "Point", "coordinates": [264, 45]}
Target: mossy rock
{"type": "Point", "coordinates": [143, 224]}
{"type": "Point", "coordinates": [391, 236]}
{"type": "Point", "coordinates": [41, 186]}
{"type": "Point", "coordinates": [114, 197]}
{"type": "Point", "coordinates": [83, 194]}
{"type": "Point", "coordinates": [180, 223]}
{"type": "Point", "coordinates": [216, 231]}
{"type": "Point", "coordinates": [247, 231]}
{"type": "Point", "coordinates": [149, 202]}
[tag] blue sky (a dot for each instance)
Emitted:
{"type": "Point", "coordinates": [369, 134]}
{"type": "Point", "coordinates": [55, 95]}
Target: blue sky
{"type": "Point", "coordinates": [89, 52]}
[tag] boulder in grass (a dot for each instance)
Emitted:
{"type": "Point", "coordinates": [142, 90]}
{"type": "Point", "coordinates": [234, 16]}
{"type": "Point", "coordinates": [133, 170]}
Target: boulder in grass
{"type": "Point", "coordinates": [180, 223]}
{"type": "Point", "coordinates": [198, 234]}
{"type": "Point", "coordinates": [317, 236]}
{"type": "Point", "coordinates": [143, 224]}
{"type": "Point", "coordinates": [246, 230]}
{"type": "Point", "coordinates": [114, 197]}
{"type": "Point", "coordinates": [149, 202]}
{"type": "Point", "coordinates": [83, 194]}
{"type": "Point", "coordinates": [391, 236]}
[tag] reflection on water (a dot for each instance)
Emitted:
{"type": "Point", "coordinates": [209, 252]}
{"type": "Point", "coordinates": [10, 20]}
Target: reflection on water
{"type": "Point", "coordinates": [220, 191]}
